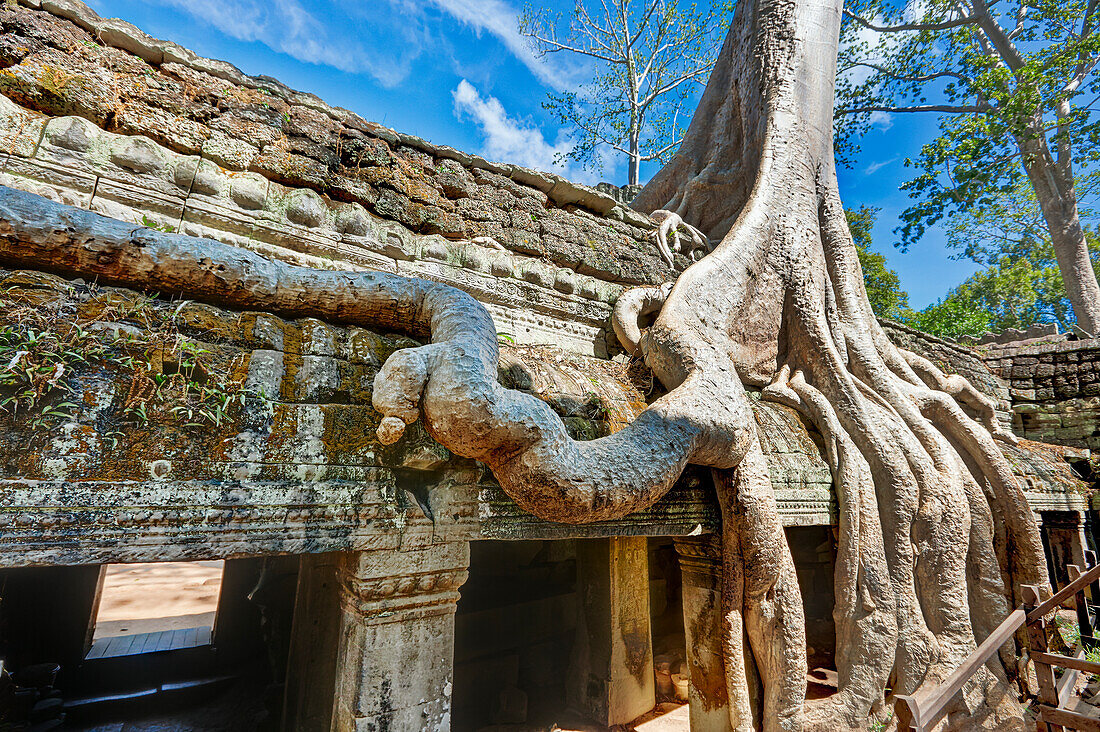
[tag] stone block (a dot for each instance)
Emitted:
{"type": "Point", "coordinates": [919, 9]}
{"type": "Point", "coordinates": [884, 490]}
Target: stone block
{"type": "Point", "coordinates": [1020, 371]}
{"type": "Point", "coordinates": [611, 676]}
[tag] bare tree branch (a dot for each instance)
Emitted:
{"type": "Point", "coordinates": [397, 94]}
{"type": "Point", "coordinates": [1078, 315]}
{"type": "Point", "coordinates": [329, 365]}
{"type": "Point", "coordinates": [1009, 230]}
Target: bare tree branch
{"type": "Point", "coordinates": [944, 25]}
{"type": "Point", "coordinates": [663, 150]}
{"type": "Point", "coordinates": [902, 77]}
{"type": "Point", "coordinates": [556, 46]}
{"type": "Point", "coordinates": [669, 86]}
{"type": "Point", "coordinates": [942, 108]}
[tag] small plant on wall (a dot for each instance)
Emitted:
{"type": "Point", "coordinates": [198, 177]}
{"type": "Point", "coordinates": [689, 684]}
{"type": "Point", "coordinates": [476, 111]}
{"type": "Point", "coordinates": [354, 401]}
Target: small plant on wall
{"type": "Point", "coordinates": [46, 345]}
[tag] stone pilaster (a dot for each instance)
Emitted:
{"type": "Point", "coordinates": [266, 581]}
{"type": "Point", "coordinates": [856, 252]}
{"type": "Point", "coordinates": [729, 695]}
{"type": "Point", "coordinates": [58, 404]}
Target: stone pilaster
{"type": "Point", "coordinates": [309, 694]}
{"type": "Point", "coordinates": [611, 676]}
{"type": "Point", "coordinates": [701, 570]}
{"type": "Point", "coordinates": [1064, 540]}
{"type": "Point", "coordinates": [396, 645]}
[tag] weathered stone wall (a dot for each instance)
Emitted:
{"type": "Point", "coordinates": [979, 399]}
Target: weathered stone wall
{"type": "Point", "coordinates": [96, 114]}
{"type": "Point", "coordinates": [1055, 389]}
{"type": "Point", "coordinates": [152, 134]}
{"type": "Point", "coordinates": [951, 358]}
{"type": "Point", "coordinates": [298, 469]}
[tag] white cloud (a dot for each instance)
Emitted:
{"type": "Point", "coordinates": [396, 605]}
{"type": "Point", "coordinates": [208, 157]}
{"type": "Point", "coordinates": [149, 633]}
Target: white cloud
{"type": "Point", "coordinates": [380, 38]}
{"type": "Point", "coordinates": [506, 138]}
{"type": "Point", "coordinates": [500, 19]}
{"type": "Point", "coordinates": [289, 27]}
{"type": "Point", "coordinates": [876, 167]}
{"type": "Point", "coordinates": [882, 120]}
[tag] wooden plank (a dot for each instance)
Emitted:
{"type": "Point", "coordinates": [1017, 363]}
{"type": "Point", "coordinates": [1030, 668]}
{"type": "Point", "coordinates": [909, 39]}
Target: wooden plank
{"type": "Point", "coordinates": [1084, 620]}
{"type": "Point", "coordinates": [905, 708]}
{"type": "Point", "coordinates": [96, 651]}
{"type": "Point", "coordinates": [1069, 680]}
{"type": "Point", "coordinates": [177, 639]}
{"type": "Point", "coordinates": [925, 710]}
{"type": "Point", "coordinates": [120, 644]}
{"type": "Point", "coordinates": [1066, 718]}
{"type": "Point", "coordinates": [1057, 659]}
{"type": "Point", "coordinates": [150, 644]}
{"type": "Point", "coordinates": [187, 637]}
{"type": "Point", "coordinates": [141, 642]}
{"type": "Point", "coordinates": [1044, 674]}
{"type": "Point", "coordinates": [164, 641]}
{"type": "Point", "coordinates": [1063, 594]}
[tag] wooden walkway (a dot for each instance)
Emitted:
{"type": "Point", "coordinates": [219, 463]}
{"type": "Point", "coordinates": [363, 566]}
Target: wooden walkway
{"type": "Point", "coordinates": [164, 640]}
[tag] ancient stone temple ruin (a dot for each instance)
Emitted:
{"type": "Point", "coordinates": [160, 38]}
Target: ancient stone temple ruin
{"type": "Point", "coordinates": [371, 586]}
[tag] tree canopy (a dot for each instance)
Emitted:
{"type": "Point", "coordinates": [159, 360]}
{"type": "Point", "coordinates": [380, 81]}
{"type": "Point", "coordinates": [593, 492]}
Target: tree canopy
{"type": "Point", "coordinates": [646, 59]}
{"type": "Point", "coordinates": [884, 291]}
{"type": "Point", "coordinates": [1015, 86]}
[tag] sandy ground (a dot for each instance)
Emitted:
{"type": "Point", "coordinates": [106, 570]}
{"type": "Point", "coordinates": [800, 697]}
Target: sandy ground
{"type": "Point", "coordinates": [143, 598]}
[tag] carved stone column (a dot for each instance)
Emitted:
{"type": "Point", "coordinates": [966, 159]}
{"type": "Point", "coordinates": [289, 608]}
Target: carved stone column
{"type": "Point", "coordinates": [701, 570]}
{"type": "Point", "coordinates": [611, 675]}
{"type": "Point", "coordinates": [396, 644]}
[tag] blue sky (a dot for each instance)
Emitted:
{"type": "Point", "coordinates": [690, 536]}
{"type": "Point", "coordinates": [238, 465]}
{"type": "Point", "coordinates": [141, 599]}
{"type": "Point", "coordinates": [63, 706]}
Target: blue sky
{"type": "Point", "coordinates": [456, 72]}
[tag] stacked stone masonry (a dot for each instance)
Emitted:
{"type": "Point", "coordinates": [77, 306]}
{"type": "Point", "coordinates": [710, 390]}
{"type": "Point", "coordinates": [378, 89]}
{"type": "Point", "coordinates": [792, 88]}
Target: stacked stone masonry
{"type": "Point", "coordinates": [1055, 389]}
{"type": "Point", "coordinates": [96, 114]}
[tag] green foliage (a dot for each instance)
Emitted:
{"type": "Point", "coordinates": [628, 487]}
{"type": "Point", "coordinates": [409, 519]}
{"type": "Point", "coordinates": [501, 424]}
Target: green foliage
{"type": "Point", "coordinates": [1010, 293]}
{"type": "Point", "coordinates": [148, 223]}
{"type": "Point", "coordinates": [1021, 284]}
{"type": "Point", "coordinates": [37, 355]}
{"type": "Point", "coordinates": [648, 59]}
{"type": "Point", "coordinates": [43, 348]}
{"type": "Point", "coordinates": [884, 291]}
{"type": "Point", "coordinates": [1021, 77]}
{"type": "Point", "coordinates": [951, 317]}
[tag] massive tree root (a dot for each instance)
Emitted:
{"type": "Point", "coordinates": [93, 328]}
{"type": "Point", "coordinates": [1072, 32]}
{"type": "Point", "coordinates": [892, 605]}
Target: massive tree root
{"type": "Point", "coordinates": [935, 534]}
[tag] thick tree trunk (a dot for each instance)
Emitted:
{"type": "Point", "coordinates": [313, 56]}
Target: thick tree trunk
{"type": "Point", "coordinates": [1054, 190]}
{"type": "Point", "coordinates": [1075, 264]}
{"type": "Point", "coordinates": [784, 287]}
{"type": "Point", "coordinates": [924, 564]}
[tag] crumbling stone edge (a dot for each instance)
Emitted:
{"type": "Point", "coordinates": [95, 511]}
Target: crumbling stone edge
{"type": "Point", "coordinates": [127, 37]}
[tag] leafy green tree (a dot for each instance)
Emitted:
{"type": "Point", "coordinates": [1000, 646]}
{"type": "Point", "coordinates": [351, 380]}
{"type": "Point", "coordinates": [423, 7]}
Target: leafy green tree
{"type": "Point", "coordinates": [884, 291]}
{"type": "Point", "coordinates": [648, 58]}
{"type": "Point", "coordinates": [1021, 284]}
{"type": "Point", "coordinates": [951, 317]}
{"type": "Point", "coordinates": [1014, 82]}
{"type": "Point", "coordinates": [1014, 291]}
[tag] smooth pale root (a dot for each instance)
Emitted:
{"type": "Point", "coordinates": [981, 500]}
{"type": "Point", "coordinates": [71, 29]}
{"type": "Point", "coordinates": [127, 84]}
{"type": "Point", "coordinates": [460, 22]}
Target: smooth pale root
{"type": "Point", "coordinates": [780, 304]}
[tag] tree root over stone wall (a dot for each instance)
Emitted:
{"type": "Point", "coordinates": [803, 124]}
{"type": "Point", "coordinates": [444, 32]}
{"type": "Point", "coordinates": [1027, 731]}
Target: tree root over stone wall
{"type": "Point", "coordinates": [935, 533]}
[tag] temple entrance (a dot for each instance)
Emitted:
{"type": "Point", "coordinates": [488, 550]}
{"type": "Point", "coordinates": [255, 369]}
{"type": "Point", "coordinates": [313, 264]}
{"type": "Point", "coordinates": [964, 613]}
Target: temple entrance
{"type": "Point", "coordinates": [514, 632]}
{"type": "Point", "coordinates": [581, 633]}
{"type": "Point", "coordinates": [158, 606]}
{"type": "Point", "coordinates": [813, 549]}
{"type": "Point", "coordinates": [174, 645]}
